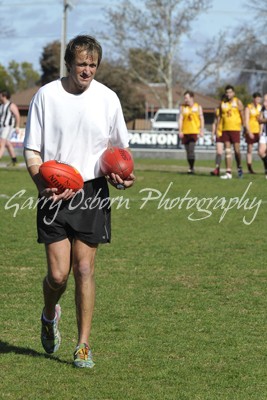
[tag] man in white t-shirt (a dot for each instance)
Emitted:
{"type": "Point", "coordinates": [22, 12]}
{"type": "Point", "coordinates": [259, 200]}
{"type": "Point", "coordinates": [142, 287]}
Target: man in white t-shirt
{"type": "Point", "coordinates": [73, 120]}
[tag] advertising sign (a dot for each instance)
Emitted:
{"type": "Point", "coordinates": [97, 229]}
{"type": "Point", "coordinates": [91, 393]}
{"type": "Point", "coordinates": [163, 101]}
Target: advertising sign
{"type": "Point", "coordinates": [153, 140]}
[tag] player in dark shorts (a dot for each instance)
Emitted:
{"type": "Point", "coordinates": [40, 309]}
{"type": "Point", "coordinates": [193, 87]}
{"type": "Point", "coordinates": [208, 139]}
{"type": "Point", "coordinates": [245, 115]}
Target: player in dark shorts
{"type": "Point", "coordinates": [73, 120]}
{"type": "Point", "coordinates": [191, 124]}
{"type": "Point", "coordinates": [252, 126]}
{"type": "Point", "coordinates": [232, 116]}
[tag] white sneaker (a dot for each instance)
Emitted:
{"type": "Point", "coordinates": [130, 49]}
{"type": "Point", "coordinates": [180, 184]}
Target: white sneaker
{"type": "Point", "coordinates": [227, 175]}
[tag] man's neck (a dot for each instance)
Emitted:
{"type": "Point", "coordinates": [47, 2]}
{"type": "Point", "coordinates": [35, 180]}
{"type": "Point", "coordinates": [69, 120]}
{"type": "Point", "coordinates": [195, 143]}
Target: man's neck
{"type": "Point", "coordinates": [71, 87]}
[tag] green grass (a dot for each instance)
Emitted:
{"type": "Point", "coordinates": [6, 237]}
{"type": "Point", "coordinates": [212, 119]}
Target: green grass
{"type": "Point", "coordinates": [180, 307]}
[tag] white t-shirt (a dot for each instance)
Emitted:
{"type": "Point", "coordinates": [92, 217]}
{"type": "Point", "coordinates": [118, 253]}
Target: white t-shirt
{"type": "Point", "coordinates": [75, 129]}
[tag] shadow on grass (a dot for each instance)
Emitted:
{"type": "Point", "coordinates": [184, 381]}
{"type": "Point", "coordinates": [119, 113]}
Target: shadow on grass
{"type": "Point", "coordinates": [6, 348]}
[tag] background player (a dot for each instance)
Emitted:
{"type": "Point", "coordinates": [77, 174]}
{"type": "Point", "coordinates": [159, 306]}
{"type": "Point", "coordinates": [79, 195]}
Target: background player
{"type": "Point", "coordinates": [9, 121]}
{"type": "Point", "coordinates": [252, 126]}
{"type": "Point", "coordinates": [191, 123]}
{"type": "Point", "coordinates": [217, 134]}
{"type": "Point", "coordinates": [231, 113]}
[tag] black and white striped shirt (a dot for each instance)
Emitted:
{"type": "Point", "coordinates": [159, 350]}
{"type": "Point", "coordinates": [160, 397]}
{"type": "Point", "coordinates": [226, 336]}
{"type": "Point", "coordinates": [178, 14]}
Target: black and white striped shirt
{"type": "Point", "coordinates": [7, 118]}
{"type": "Point", "coordinates": [264, 113]}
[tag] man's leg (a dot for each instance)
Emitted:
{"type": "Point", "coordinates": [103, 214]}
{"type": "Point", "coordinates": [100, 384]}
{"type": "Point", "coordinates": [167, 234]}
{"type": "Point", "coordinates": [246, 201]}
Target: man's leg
{"type": "Point", "coordinates": [249, 158]}
{"type": "Point", "coordinates": [228, 157]}
{"type": "Point", "coordinates": [2, 146]}
{"type": "Point", "coordinates": [83, 270]}
{"type": "Point", "coordinates": [218, 159]}
{"type": "Point", "coordinates": [238, 159]}
{"type": "Point", "coordinates": [237, 155]}
{"type": "Point", "coordinates": [54, 284]}
{"type": "Point", "coordinates": [11, 152]}
{"type": "Point", "coordinates": [263, 155]}
{"type": "Point", "coordinates": [187, 151]}
{"type": "Point", "coordinates": [191, 154]}
{"type": "Point", "coordinates": [219, 151]}
{"type": "Point", "coordinates": [228, 161]}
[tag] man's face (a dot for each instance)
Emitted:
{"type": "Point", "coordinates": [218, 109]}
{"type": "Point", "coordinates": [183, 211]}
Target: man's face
{"type": "Point", "coordinates": [83, 69]}
{"type": "Point", "coordinates": [188, 100]}
{"type": "Point", "coordinates": [257, 100]}
{"type": "Point", "coordinates": [265, 101]}
{"type": "Point", "coordinates": [230, 94]}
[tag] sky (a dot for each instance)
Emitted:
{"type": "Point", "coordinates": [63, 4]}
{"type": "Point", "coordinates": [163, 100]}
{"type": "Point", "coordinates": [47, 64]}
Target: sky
{"type": "Point", "coordinates": [37, 23]}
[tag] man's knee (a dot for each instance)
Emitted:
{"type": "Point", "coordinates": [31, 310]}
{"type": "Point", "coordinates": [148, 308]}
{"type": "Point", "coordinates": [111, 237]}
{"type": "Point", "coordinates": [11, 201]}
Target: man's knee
{"type": "Point", "coordinates": [56, 281]}
{"type": "Point", "coordinates": [228, 152]}
{"type": "Point", "coordinates": [261, 153]}
{"type": "Point", "coordinates": [84, 269]}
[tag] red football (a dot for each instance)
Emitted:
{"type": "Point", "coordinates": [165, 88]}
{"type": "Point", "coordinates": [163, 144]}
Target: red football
{"type": "Point", "coordinates": [118, 161]}
{"type": "Point", "coordinates": [60, 175]}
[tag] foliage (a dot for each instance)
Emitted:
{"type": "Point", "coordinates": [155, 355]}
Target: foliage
{"type": "Point", "coordinates": [117, 78]}
{"type": "Point", "coordinates": [147, 65]}
{"type": "Point", "coordinates": [20, 76]}
{"type": "Point", "coordinates": [50, 62]}
{"type": "Point", "coordinates": [149, 37]}
{"type": "Point", "coordinates": [6, 81]}
{"type": "Point", "coordinates": [23, 75]}
{"type": "Point", "coordinates": [180, 306]}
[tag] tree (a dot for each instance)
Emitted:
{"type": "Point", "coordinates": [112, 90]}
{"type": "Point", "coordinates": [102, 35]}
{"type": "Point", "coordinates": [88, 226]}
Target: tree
{"type": "Point", "coordinates": [23, 75]}
{"type": "Point", "coordinates": [213, 57]}
{"type": "Point", "coordinates": [246, 54]}
{"type": "Point", "coordinates": [18, 77]}
{"type": "Point", "coordinates": [146, 63]}
{"type": "Point", "coordinates": [5, 30]}
{"type": "Point", "coordinates": [50, 62]}
{"type": "Point", "coordinates": [6, 81]}
{"type": "Point", "coordinates": [260, 12]}
{"type": "Point", "coordinates": [118, 79]}
{"type": "Point", "coordinates": [156, 31]}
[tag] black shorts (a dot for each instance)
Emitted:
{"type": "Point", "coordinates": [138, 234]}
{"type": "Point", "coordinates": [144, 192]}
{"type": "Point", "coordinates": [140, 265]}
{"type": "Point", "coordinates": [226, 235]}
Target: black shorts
{"type": "Point", "coordinates": [85, 217]}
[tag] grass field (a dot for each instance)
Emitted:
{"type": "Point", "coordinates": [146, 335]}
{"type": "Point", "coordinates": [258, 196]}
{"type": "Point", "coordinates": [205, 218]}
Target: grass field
{"type": "Point", "coordinates": [181, 293]}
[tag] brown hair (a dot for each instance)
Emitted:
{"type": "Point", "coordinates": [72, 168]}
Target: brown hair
{"type": "Point", "coordinates": [5, 93]}
{"type": "Point", "coordinates": [82, 42]}
{"type": "Point", "coordinates": [191, 94]}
